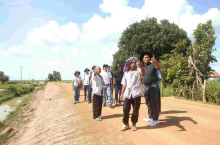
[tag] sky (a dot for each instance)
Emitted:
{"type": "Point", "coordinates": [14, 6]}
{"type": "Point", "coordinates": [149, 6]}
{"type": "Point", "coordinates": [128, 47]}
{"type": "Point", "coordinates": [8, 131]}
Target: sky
{"type": "Point", "coordinates": [69, 35]}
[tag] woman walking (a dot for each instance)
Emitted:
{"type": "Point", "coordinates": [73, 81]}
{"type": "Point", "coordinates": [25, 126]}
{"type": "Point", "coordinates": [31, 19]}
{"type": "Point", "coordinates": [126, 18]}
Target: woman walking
{"type": "Point", "coordinates": [76, 86]}
{"type": "Point", "coordinates": [131, 91]}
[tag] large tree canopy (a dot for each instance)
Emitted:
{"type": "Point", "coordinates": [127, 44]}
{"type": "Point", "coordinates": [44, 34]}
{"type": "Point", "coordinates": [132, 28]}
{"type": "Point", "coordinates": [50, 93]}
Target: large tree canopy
{"type": "Point", "coordinates": [149, 35]}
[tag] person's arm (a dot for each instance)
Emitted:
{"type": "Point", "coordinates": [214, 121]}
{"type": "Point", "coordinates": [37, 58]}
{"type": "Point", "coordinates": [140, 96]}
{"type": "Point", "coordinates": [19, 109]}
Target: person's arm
{"type": "Point", "coordinates": [114, 81]}
{"type": "Point", "coordinates": [122, 92]}
{"type": "Point", "coordinates": [156, 62]}
{"type": "Point", "coordinates": [141, 67]}
{"type": "Point", "coordinates": [72, 84]}
{"type": "Point", "coordinates": [124, 83]}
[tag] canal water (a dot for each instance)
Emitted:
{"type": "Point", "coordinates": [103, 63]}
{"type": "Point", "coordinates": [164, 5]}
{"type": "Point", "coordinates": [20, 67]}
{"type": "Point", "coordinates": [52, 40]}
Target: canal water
{"type": "Point", "coordinates": [9, 106]}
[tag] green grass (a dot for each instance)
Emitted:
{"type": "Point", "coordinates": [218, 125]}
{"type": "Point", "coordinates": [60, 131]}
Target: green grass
{"type": "Point", "coordinates": [216, 83]}
{"type": "Point", "coordinates": [168, 91]}
{"type": "Point", "coordinates": [17, 116]}
{"type": "Point", "coordinates": [5, 86]}
{"type": "Point", "coordinates": [15, 91]}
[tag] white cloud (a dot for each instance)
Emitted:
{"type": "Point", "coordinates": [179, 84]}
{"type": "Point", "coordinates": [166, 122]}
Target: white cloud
{"type": "Point", "coordinates": [74, 52]}
{"type": "Point", "coordinates": [85, 53]}
{"type": "Point", "coordinates": [17, 50]}
{"type": "Point", "coordinates": [108, 53]}
{"type": "Point", "coordinates": [52, 32]}
{"type": "Point", "coordinates": [189, 21]}
{"type": "Point", "coordinates": [57, 64]}
{"type": "Point", "coordinates": [121, 16]}
{"type": "Point", "coordinates": [56, 49]}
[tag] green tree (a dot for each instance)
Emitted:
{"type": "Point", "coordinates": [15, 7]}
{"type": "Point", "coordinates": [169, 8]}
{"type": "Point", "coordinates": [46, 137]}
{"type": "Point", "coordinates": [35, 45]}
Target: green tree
{"type": "Point", "coordinates": [56, 76]}
{"type": "Point", "coordinates": [149, 35]}
{"type": "Point", "coordinates": [201, 56]}
{"type": "Point", "coordinates": [3, 78]}
{"type": "Point", "coordinates": [50, 77]}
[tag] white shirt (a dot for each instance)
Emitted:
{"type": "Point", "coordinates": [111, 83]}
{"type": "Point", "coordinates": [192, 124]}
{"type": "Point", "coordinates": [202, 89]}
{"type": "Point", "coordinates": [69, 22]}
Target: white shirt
{"type": "Point", "coordinates": [106, 77]}
{"type": "Point", "coordinates": [132, 81]}
{"type": "Point", "coordinates": [96, 85]}
{"type": "Point", "coordinates": [79, 79]}
{"type": "Point", "coordinates": [86, 79]}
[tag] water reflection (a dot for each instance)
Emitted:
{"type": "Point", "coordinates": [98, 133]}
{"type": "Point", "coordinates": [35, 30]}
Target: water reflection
{"type": "Point", "coordinates": [9, 106]}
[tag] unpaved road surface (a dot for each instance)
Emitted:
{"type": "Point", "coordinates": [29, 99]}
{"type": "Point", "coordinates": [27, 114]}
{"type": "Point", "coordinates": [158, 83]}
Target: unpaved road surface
{"type": "Point", "coordinates": [55, 120]}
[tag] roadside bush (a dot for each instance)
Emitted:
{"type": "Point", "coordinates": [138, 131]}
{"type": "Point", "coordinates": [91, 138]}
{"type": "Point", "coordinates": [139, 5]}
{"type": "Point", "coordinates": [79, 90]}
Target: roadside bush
{"type": "Point", "coordinates": [20, 90]}
{"type": "Point", "coordinates": [212, 94]}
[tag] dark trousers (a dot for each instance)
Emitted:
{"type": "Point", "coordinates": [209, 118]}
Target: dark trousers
{"type": "Point", "coordinates": [159, 101]}
{"type": "Point", "coordinates": [151, 97]}
{"type": "Point", "coordinates": [86, 89]}
{"type": "Point", "coordinates": [127, 107]}
{"type": "Point", "coordinates": [118, 89]}
{"type": "Point", "coordinates": [97, 106]}
{"type": "Point", "coordinates": [89, 94]}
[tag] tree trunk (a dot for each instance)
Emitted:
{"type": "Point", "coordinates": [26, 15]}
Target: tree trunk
{"type": "Point", "coordinates": [204, 92]}
{"type": "Point", "coordinates": [193, 90]}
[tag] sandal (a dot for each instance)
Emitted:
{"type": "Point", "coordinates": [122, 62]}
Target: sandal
{"type": "Point", "coordinates": [133, 128]}
{"type": "Point", "coordinates": [125, 127]}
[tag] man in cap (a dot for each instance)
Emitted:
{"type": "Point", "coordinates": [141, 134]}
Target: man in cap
{"type": "Point", "coordinates": [117, 82]}
{"type": "Point", "coordinates": [107, 77]}
{"type": "Point", "coordinates": [151, 91]}
{"type": "Point", "coordinates": [86, 82]}
{"type": "Point", "coordinates": [90, 84]}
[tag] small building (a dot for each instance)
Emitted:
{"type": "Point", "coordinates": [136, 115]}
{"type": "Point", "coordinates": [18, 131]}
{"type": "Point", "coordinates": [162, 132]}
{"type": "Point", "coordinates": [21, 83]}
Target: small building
{"type": "Point", "coordinates": [214, 76]}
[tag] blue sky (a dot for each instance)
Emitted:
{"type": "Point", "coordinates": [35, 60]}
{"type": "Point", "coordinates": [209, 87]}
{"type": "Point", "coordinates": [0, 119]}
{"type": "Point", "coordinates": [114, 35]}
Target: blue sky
{"type": "Point", "coordinates": [69, 35]}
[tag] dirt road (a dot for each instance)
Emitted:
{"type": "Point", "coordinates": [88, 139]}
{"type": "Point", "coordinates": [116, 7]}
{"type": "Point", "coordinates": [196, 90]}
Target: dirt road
{"type": "Point", "coordinates": [55, 120]}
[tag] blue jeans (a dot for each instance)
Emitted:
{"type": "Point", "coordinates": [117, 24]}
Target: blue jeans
{"type": "Point", "coordinates": [118, 89]}
{"type": "Point", "coordinates": [107, 92]}
{"type": "Point", "coordinates": [86, 89]}
{"type": "Point", "coordinates": [76, 94]}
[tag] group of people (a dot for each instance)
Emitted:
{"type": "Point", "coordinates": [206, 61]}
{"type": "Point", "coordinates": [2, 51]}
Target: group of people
{"type": "Point", "coordinates": [127, 83]}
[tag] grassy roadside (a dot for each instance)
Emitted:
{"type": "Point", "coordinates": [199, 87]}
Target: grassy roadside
{"type": "Point", "coordinates": [19, 116]}
{"type": "Point", "coordinates": [12, 92]}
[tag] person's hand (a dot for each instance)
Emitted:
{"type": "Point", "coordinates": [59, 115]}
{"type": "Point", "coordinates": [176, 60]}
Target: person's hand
{"type": "Point", "coordinates": [138, 64]}
{"type": "Point", "coordinates": [122, 97]}
{"type": "Point", "coordinates": [153, 59]}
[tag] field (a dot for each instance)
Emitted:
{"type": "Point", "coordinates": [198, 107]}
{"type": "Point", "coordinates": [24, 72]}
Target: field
{"type": "Point", "coordinates": [5, 86]}
{"type": "Point", "coordinates": [168, 91]}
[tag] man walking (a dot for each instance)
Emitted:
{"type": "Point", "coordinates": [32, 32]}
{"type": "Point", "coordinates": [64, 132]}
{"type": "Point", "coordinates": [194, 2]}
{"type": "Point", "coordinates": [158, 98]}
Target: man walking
{"type": "Point", "coordinates": [107, 77]}
{"type": "Point", "coordinates": [97, 94]}
{"type": "Point", "coordinates": [86, 82]}
{"type": "Point", "coordinates": [117, 82]}
{"type": "Point", "coordinates": [90, 84]}
{"type": "Point", "coordinates": [151, 91]}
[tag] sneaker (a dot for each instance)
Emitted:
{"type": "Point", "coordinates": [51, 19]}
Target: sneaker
{"type": "Point", "coordinates": [147, 119]}
{"type": "Point", "coordinates": [77, 102]}
{"type": "Point", "coordinates": [98, 119]}
{"type": "Point", "coordinates": [74, 103]}
{"type": "Point", "coordinates": [125, 127]}
{"type": "Point", "coordinates": [89, 102]}
{"type": "Point", "coordinates": [154, 122]}
{"type": "Point", "coordinates": [110, 106]}
{"type": "Point", "coordinates": [104, 105]}
{"type": "Point", "coordinates": [133, 128]}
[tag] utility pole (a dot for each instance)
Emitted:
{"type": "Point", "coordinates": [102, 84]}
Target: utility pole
{"type": "Point", "coordinates": [21, 73]}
